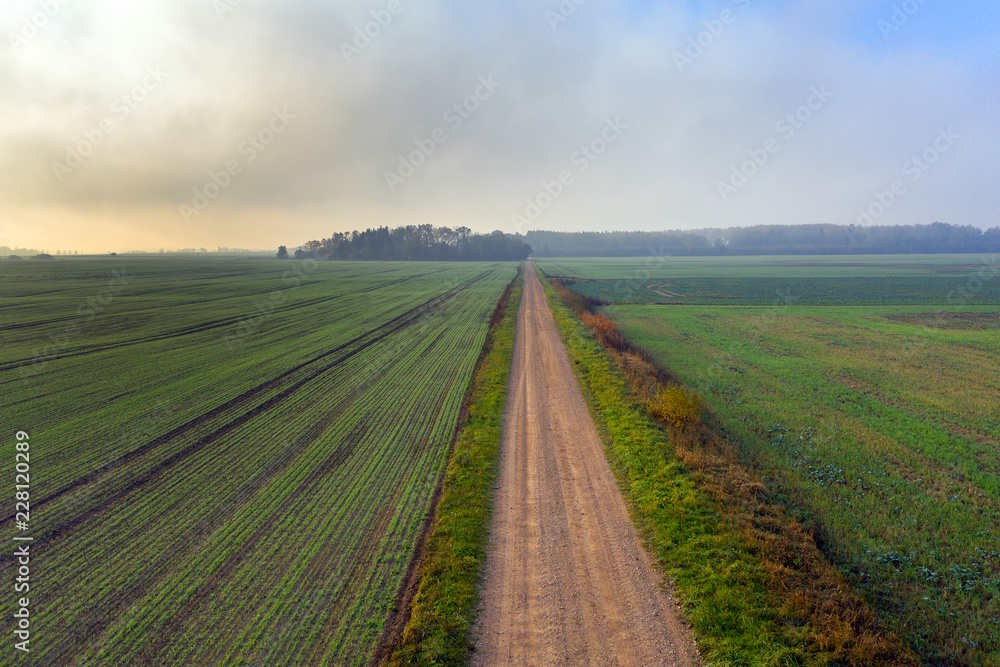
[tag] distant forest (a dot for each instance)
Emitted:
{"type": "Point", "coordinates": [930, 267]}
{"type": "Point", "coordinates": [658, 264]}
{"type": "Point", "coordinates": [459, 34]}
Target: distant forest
{"type": "Point", "coordinates": [429, 243]}
{"type": "Point", "coordinates": [938, 237]}
{"type": "Point", "coordinates": [416, 243]}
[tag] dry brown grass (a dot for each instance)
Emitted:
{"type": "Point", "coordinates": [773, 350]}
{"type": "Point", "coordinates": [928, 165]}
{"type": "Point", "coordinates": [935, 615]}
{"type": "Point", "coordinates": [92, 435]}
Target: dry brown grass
{"type": "Point", "coordinates": [678, 406]}
{"type": "Point", "coordinates": [816, 598]}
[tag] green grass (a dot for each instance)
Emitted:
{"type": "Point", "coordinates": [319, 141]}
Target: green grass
{"type": "Point", "coordinates": [659, 267]}
{"type": "Point", "coordinates": [877, 291]}
{"type": "Point", "coordinates": [231, 459]}
{"type": "Point", "coordinates": [719, 578]}
{"type": "Point", "coordinates": [931, 280]}
{"type": "Point", "coordinates": [880, 426]}
{"type": "Point", "coordinates": [444, 609]}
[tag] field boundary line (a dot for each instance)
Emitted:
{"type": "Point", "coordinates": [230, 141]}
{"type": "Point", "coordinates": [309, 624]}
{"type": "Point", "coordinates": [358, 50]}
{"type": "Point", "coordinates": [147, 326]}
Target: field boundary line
{"type": "Point", "coordinates": [350, 348]}
{"type": "Point", "coordinates": [442, 581]}
{"type": "Point", "coordinates": [756, 588]}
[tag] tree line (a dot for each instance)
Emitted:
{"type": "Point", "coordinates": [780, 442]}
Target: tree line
{"type": "Point", "coordinates": [818, 239]}
{"type": "Point", "coordinates": [414, 243]}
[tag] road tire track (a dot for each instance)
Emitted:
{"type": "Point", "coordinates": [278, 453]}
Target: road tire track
{"type": "Point", "coordinates": [567, 580]}
{"type": "Point", "coordinates": [245, 410]}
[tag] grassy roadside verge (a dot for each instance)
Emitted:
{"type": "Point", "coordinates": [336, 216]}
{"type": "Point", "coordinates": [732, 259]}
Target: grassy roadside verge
{"type": "Point", "coordinates": [443, 610]}
{"type": "Point", "coordinates": [755, 587]}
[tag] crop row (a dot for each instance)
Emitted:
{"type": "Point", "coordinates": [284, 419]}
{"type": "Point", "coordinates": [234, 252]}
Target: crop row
{"type": "Point", "coordinates": [268, 510]}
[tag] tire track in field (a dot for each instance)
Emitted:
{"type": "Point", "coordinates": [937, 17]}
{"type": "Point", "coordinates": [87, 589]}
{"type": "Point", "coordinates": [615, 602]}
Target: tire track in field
{"type": "Point", "coordinates": [210, 585]}
{"type": "Point", "coordinates": [393, 326]}
{"type": "Point", "coordinates": [567, 580]}
{"type": "Point", "coordinates": [197, 328]}
{"type": "Point", "coordinates": [150, 577]}
{"type": "Point", "coordinates": [95, 349]}
{"type": "Point", "coordinates": [310, 486]}
{"type": "Point", "coordinates": [158, 570]}
{"type": "Point", "coordinates": [422, 416]}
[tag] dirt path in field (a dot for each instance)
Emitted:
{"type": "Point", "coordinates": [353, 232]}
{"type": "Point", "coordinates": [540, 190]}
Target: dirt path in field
{"type": "Point", "coordinates": [656, 289]}
{"type": "Point", "coordinates": [567, 582]}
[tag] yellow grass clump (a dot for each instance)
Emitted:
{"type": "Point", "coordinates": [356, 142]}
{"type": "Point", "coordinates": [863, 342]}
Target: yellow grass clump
{"type": "Point", "coordinates": [676, 405]}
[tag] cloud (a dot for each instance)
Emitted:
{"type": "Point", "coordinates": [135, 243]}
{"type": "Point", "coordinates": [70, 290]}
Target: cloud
{"type": "Point", "coordinates": [224, 75]}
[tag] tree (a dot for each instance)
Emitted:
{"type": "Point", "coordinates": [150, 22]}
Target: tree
{"type": "Point", "coordinates": [803, 239]}
{"type": "Point", "coordinates": [419, 243]}
{"type": "Point", "coordinates": [282, 252]}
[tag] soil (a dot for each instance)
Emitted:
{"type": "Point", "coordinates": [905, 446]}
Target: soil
{"type": "Point", "coordinates": [567, 579]}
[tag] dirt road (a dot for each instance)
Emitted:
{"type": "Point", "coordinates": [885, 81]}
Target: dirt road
{"type": "Point", "coordinates": [567, 582]}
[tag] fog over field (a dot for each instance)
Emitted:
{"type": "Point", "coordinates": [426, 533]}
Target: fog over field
{"type": "Point", "coordinates": [188, 124]}
{"type": "Point", "coordinates": [386, 332]}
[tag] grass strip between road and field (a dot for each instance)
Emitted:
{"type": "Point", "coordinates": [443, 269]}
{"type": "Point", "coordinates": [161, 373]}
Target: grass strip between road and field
{"type": "Point", "coordinates": [444, 608]}
{"type": "Point", "coordinates": [703, 526]}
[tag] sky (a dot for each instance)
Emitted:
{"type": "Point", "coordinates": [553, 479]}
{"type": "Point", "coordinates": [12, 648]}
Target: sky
{"type": "Point", "coordinates": [258, 123]}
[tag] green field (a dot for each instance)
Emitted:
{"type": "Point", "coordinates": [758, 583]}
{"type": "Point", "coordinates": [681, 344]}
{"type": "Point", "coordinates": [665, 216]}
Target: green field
{"type": "Point", "coordinates": [878, 424]}
{"type": "Point", "coordinates": [231, 460]}
{"type": "Point", "coordinates": [766, 281]}
{"type": "Point", "coordinates": [663, 267]}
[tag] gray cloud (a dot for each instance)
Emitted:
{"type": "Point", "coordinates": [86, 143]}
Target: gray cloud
{"type": "Point", "coordinates": [354, 117]}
